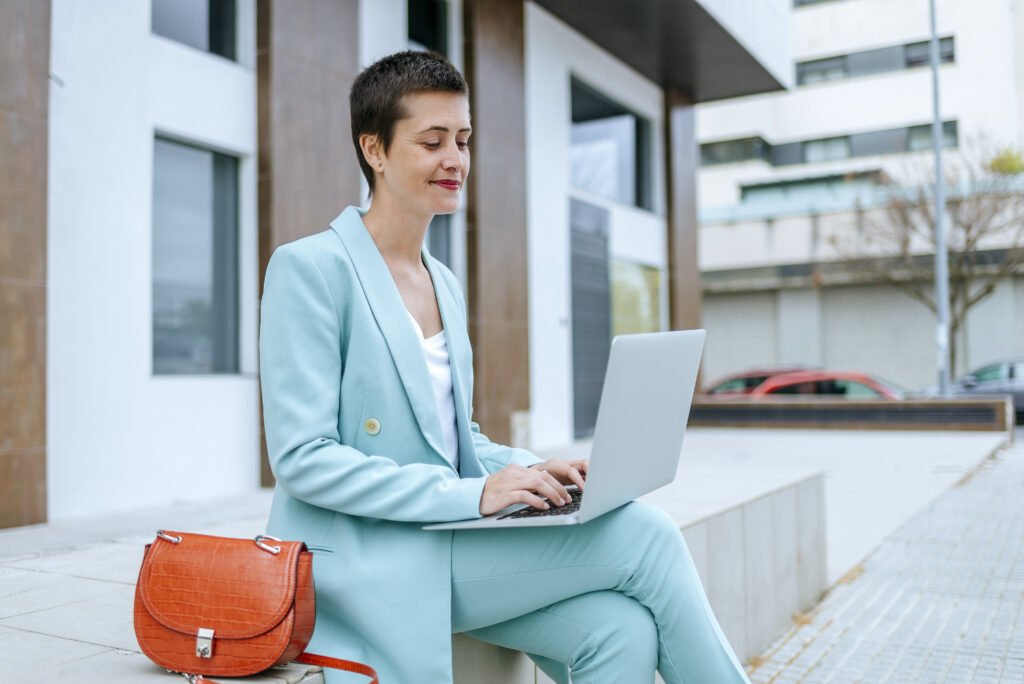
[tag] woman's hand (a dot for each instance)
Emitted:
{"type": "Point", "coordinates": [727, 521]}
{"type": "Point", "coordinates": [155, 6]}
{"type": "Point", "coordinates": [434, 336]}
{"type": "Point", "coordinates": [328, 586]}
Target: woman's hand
{"type": "Point", "coordinates": [516, 484]}
{"type": "Point", "coordinates": [566, 472]}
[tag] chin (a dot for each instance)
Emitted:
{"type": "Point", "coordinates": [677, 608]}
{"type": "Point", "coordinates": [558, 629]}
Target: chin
{"type": "Point", "coordinates": [446, 207]}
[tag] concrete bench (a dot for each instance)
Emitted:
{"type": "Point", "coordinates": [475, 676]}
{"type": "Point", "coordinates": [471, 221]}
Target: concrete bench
{"type": "Point", "coordinates": [757, 538]}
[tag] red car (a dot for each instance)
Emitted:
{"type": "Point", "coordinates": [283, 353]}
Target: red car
{"type": "Point", "coordinates": [847, 385]}
{"type": "Point", "coordinates": [741, 384]}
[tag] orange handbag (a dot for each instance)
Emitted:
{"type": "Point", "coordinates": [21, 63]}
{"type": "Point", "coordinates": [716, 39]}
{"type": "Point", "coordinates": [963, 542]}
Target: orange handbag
{"type": "Point", "coordinates": [227, 607]}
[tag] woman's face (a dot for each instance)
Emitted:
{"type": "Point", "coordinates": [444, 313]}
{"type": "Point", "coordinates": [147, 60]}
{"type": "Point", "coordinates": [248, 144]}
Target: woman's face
{"type": "Point", "coordinates": [428, 160]}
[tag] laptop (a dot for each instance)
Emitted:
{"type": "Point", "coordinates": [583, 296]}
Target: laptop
{"type": "Point", "coordinates": [645, 403]}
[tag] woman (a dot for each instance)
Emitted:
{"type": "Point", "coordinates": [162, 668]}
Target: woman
{"type": "Point", "coordinates": [366, 374]}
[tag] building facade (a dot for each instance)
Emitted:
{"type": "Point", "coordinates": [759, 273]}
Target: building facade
{"type": "Point", "coordinates": [789, 179]}
{"type": "Point", "coordinates": [155, 153]}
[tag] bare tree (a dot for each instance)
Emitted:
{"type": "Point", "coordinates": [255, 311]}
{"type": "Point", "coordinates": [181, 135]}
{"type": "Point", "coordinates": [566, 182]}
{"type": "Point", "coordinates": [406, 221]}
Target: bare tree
{"type": "Point", "coordinates": [985, 231]}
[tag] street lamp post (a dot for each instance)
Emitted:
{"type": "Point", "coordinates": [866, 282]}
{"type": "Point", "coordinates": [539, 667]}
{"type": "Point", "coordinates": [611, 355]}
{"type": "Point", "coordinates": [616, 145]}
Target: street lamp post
{"type": "Point", "coordinates": [941, 264]}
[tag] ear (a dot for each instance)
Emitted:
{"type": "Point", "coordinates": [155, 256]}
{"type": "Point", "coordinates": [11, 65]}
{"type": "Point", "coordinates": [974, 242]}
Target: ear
{"type": "Point", "coordinates": [373, 151]}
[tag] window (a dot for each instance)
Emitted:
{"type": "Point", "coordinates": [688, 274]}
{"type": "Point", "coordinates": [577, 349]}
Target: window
{"type": "Point", "coordinates": [428, 25]}
{"type": "Point", "coordinates": [999, 371]}
{"type": "Point", "coordinates": [439, 239]}
{"type": "Point", "coordinates": [734, 385]}
{"type": "Point", "coordinates": [821, 70]}
{"type": "Point", "coordinates": [731, 151]}
{"type": "Point", "coordinates": [207, 25]}
{"type": "Point", "coordinates": [870, 143]}
{"type": "Point", "coordinates": [826, 149]}
{"type": "Point", "coordinates": [610, 148]}
{"type": "Point", "coordinates": [796, 388]}
{"type": "Point", "coordinates": [851, 389]}
{"type": "Point", "coordinates": [920, 137]}
{"type": "Point", "coordinates": [812, 190]}
{"type": "Point", "coordinates": [636, 304]}
{"type": "Point", "coordinates": [876, 61]}
{"type": "Point", "coordinates": [195, 260]}
{"type": "Point", "coordinates": [919, 54]}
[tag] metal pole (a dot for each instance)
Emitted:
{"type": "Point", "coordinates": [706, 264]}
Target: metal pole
{"type": "Point", "coordinates": [941, 265]}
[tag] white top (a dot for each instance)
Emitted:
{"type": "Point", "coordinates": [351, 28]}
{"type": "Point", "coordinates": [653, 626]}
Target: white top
{"type": "Point", "coordinates": [435, 350]}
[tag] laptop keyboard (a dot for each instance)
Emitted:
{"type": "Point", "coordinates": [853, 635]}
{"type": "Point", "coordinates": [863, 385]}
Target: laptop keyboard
{"type": "Point", "coordinates": [530, 512]}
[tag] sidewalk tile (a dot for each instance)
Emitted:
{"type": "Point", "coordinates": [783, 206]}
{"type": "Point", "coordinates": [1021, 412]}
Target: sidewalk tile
{"type": "Point", "coordinates": [105, 620]}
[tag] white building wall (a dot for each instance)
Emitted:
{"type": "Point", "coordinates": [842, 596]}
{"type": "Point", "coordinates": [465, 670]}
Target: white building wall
{"type": "Point", "coordinates": [989, 328]}
{"type": "Point", "coordinates": [741, 333]}
{"type": "Point", "coordinates": [119, 437]}
{"type": "Point", "coordinates": [800, 328]}
{"type": "Point", "coordinates": [879, 330]}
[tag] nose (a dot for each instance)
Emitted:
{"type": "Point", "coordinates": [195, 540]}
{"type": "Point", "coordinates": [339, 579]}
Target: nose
{"type": "Point", "coordinates": [453, 160]}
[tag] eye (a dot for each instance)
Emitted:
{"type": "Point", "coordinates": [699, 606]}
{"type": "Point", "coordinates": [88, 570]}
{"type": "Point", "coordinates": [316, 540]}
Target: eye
{"type": "Point", "coordinates": [431, 144]}
{"type": "Point", "coordinates": [463, 144]}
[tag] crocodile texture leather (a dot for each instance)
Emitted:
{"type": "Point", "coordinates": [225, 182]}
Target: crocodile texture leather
{"type": "Point", "coordinates": [260, 605]}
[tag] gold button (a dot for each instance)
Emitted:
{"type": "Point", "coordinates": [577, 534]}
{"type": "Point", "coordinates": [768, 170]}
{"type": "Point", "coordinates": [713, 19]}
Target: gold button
{"type": "Point", "coordinates": [372, 426]}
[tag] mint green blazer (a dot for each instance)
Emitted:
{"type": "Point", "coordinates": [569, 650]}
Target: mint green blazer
{"type": "Point", "coordinates": [355, 443]}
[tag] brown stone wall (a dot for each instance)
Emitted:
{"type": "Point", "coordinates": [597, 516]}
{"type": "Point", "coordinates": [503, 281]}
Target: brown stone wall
{"type": "Point", "coordinates": [307, 56]}
{"type": "Point", "coordinates": [24, 97]}
{"type": "Point", "coordinates": [684, 274]}
{"type": "Point", "coordinates": [496, 216]}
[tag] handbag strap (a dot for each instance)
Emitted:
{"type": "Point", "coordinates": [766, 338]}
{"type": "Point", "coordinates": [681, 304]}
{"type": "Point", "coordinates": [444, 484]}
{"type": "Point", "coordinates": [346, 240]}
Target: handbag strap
{"type": "Point", "coordinates": [322, 661]}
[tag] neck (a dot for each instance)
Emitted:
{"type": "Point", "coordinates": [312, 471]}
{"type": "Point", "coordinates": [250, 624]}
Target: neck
{"type": "Point", "coordinates": [398, 234]}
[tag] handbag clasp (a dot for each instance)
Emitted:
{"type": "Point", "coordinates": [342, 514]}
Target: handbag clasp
{"type": "Point", "coordinates": [204, 643]}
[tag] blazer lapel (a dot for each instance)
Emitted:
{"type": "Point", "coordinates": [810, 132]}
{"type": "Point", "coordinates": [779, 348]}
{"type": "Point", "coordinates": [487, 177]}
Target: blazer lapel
{"type": "Point", "coordinates": [393, 320]}
{"type": "Point", "coordinates": [461, 362]}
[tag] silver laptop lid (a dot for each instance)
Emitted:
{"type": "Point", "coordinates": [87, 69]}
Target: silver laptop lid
{"type": "Point", "coordinates": [645, 403]}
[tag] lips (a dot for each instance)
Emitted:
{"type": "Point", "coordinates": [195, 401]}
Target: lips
{"type": "Point", "coordinates": [447, 184]}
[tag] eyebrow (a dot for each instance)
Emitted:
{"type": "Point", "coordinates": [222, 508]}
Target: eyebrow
{"type": "Point", "coordinates": [445, 129]}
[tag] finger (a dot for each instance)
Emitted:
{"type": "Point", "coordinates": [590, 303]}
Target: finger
{"type": "Point", "coordinates": [531, 499]}
{"type": "Point", "coordinates": [561, 481]}
{"type": "Point", "coordinates": [576, 476]}
{"type": "Point", "coordinates": [561, 496]}
{"type": "Point", "coordinates": [581, 465]}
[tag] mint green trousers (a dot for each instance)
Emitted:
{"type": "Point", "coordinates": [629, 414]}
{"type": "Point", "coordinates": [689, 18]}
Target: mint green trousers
{"type": "Point", "coordinates": [610, 601]}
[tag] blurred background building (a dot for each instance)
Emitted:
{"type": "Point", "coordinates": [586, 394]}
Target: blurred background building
{"type": "Point", "coordinates": [154, 154]}
{"type": "Point", "coordinates": [794, 185]}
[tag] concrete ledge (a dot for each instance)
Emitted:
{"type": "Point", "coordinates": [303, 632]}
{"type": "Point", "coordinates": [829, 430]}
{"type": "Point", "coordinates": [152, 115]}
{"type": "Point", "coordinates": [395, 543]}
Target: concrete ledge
{"type": "Point", "coordinates": [757, 537]}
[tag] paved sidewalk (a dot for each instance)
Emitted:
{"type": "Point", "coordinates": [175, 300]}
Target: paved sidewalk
{"type": "Point", "coordinates": [940, 601]}
{"type": "Point", "coordinates": [66, 588]}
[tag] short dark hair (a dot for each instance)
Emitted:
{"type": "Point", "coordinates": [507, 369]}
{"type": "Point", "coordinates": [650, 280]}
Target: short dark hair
{"type": "Point", "coordinates": [375, 101]}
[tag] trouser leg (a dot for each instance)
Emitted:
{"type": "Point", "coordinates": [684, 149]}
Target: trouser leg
{"type": "Point", "coordinates": [582, 633]}
{"type": "Point", "coordinates": [498, 575]}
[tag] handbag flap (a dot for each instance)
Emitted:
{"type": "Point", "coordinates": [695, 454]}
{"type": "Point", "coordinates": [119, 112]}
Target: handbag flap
{"type": "Point", "coordinates": [231, 586]}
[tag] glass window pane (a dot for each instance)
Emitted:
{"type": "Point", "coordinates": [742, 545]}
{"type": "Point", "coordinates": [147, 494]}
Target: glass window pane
{"type": "Point", "coordinates": [195, 264]}
{"type": "Point", "coordinates": [876, 61]}
{"type": "Point", "coordinates": [919, 54]}
{"type": "Point", "coordinates": [636, 306]}
{"type": "Point", "coordinates": [439, 238]}
{"type": "Point", "coordinates": [603, 157]}
{"type": "Point", "coordinates": [734, 385]}
{"type": "Point", "coordinates": [207, 25]}
{"type": "Point", "coordinates": [920, 137]}
{"type": "Point", "coordinates": [428, 25]}
{"type": "Point", "coordinates": [609, 148]}
{"type": "Point", "coordinates": [820, 70]}
{"type": "Point", "coordinates": [999, 371]}
{"type": "Point", "coordinates": [827, 149]}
